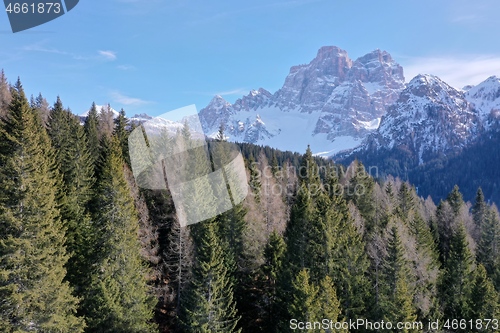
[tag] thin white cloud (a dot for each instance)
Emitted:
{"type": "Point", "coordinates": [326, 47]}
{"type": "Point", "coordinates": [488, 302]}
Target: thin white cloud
{"type": "Point", "coordinates": [237, 91]}
{"type": "Point", "coordinates": [39, 47]}
{"type": "Point", "coordinates": [109, 55]}
{"type": "Point", "coordinates": [467, 18]}
{"type": "Point", "coordinates": [127, 100]}
{"type": "Point", "coordinates": [457, 71]}
{"type": "Point", "coordinates": [125, 67]}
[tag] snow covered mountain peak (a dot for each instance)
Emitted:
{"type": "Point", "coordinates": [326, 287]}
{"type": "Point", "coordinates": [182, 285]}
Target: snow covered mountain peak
{"type": "Point", "coordinates": [330, 103]}
{"type": "Point", "coordinates": [486, 98]}
{"type": "Point", "coordinates": [429, 118]}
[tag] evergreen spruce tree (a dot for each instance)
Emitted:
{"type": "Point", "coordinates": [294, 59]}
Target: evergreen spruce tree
{"type": "Point", "coordinates": [274, 254]}
{"type": "Point", "coordinates": [457, 278]}
{"type": "Point", "coordinates": [304, 298]}
{"type": "Point", "coordinates": [118, 299]}
{"type": "Point", "coordinates": [327, 304]}
{"type": "Point", "coordinates": [397, 298]}
{"type": "Point", "coordinates": [479, 210]}
{"type": "Point", "coordinates": [121, 132]}
{"type": "Point", "coordinates": [406, 201]}
{"type": "Point", "coordinates": [274, 165]}
{"type": "Point", "coordinates": [349, 269]}
{"type": "Point", "coordinates": [309, 172]}
{"type": "Point", "coordinates": [488, 251]}
{"type": "Point", "coordinates": [91, 130]}
{"type": "Point", "coordinates": [34, 296]}
{"type": "Point", "coordinates": [74, 163]}
{"type": "Point", "coordinates": [209, 305]}
{"type": "Point", "coordinates": [360, 192]}
{"type": "Point", "coordinates": [254, 182]}
{"type": "Point", "coordinates": [298, 229]}
{"type": "Point", "coordinates": [455, 199]}
{"type": "Point", "coordinates": [484, 297]}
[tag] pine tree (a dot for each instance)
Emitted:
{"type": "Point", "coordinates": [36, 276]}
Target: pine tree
{"type": "Point", "coordinates": [74, 163]}
{"type": "Point", "coordinates": [488, 252]}
{"type": "Point", "coordinates": [348, 262]}
{"type": "Point", "coordinates": [304, 298]}
{"type": "Point", "coordinates": [406, 201]}
{"type": "Point", "coordinates": [274, 165]}
{"type": "Point", "coordinates": [297, 233]}
{"type": "Point", "coordinates": [274, 254]}
{"type": "Point", "coordinates": [479, 210]}
{"type": "Point", "coordinates": [360, 192]}
{"type": "Point", "coordinates": [327, 303]}
{"type": "Point", "coordinates": [91, 130]}
{"type": "Point", "coordinates": [396, 300]}
{"type": "Point", "coordinates": [455, 199]}
{"type": "Point", "coordinates": [121, 132]}
{"type": "Point", "coordinates": [309, 172]}
{"type": "Point", "coordinates": [254, 182]}
{"type": "Point", "coordinates": [32, 253]}
{"type": "Point", "coordinates": [209, 305]}
{"type": "Point", "coordinates": [457, 278]}
{"type": "Point", "coordinates": [484, 297]}
{"type": "Point", "coordinates": [118, 299]}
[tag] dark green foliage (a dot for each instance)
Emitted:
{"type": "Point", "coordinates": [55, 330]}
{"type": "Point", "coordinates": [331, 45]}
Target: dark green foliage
{"type": "Point", "coordinates": [488, 251]}
{"type": "Point", "coordinates": [118, 299]}
{"type": "Point", "coordinates": [458, 278]}
{"type": "Point", "coordinates": [480, 209]}
{"type": "Point", "coordinates": [397, 292]}
{"type": "Point", "coordinates": [121, 132]}
{"type": "Point", "coordinates": [209, 305]}
{"type": "Point", "coordinates": [360, 192]}
{"type": "Point", "coordinates": [304, 297]}
{"type": "Point", "coordinates": [74, 163]}
{"type": "Point", "coordinates": [34, 296]}
{"type": "Point", "coordinates": [254, 181]}
{"type": "Point", "coordinates": [484, 298]}
{"type": "Point", "coordinates": [91, 130]}
{"type": "Point", "coordinates": [274, 255]}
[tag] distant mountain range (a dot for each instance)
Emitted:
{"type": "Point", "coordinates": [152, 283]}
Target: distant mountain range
{"type": "Point", "coordinates": [363, 109]}
{"type": "Point", "coordinates": [332, 104]}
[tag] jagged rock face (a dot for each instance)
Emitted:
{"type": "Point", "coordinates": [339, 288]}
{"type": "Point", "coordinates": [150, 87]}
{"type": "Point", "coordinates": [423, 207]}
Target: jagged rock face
{"type": "Point", "coordinates": [307, 87]}
{"type": "Point", "coordinates": [342, 97]}
{"type": "Point", "coordinates": [429, 118]}
{"type": "Point", "coordinates": [216, 113]}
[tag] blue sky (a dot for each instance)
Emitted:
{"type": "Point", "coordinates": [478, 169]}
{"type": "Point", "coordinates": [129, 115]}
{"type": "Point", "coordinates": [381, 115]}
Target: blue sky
{"type": "Point", "coordinates": [158, 55]}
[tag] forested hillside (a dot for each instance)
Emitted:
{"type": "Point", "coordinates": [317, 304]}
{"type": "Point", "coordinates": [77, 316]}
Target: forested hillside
{"type": "Point", "coordinates": [84, 249]}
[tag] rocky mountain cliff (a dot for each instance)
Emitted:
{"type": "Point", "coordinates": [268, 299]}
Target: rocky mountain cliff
{"type": "Point", "coordinates": [332, 103]}
{"type": "Point", "coordinates": [428, 119]}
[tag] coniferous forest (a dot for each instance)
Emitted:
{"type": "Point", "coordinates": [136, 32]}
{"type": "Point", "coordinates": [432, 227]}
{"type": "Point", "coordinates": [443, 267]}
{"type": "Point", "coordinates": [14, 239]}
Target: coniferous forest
{"type": "Point", "coordinates": [84, 249]}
